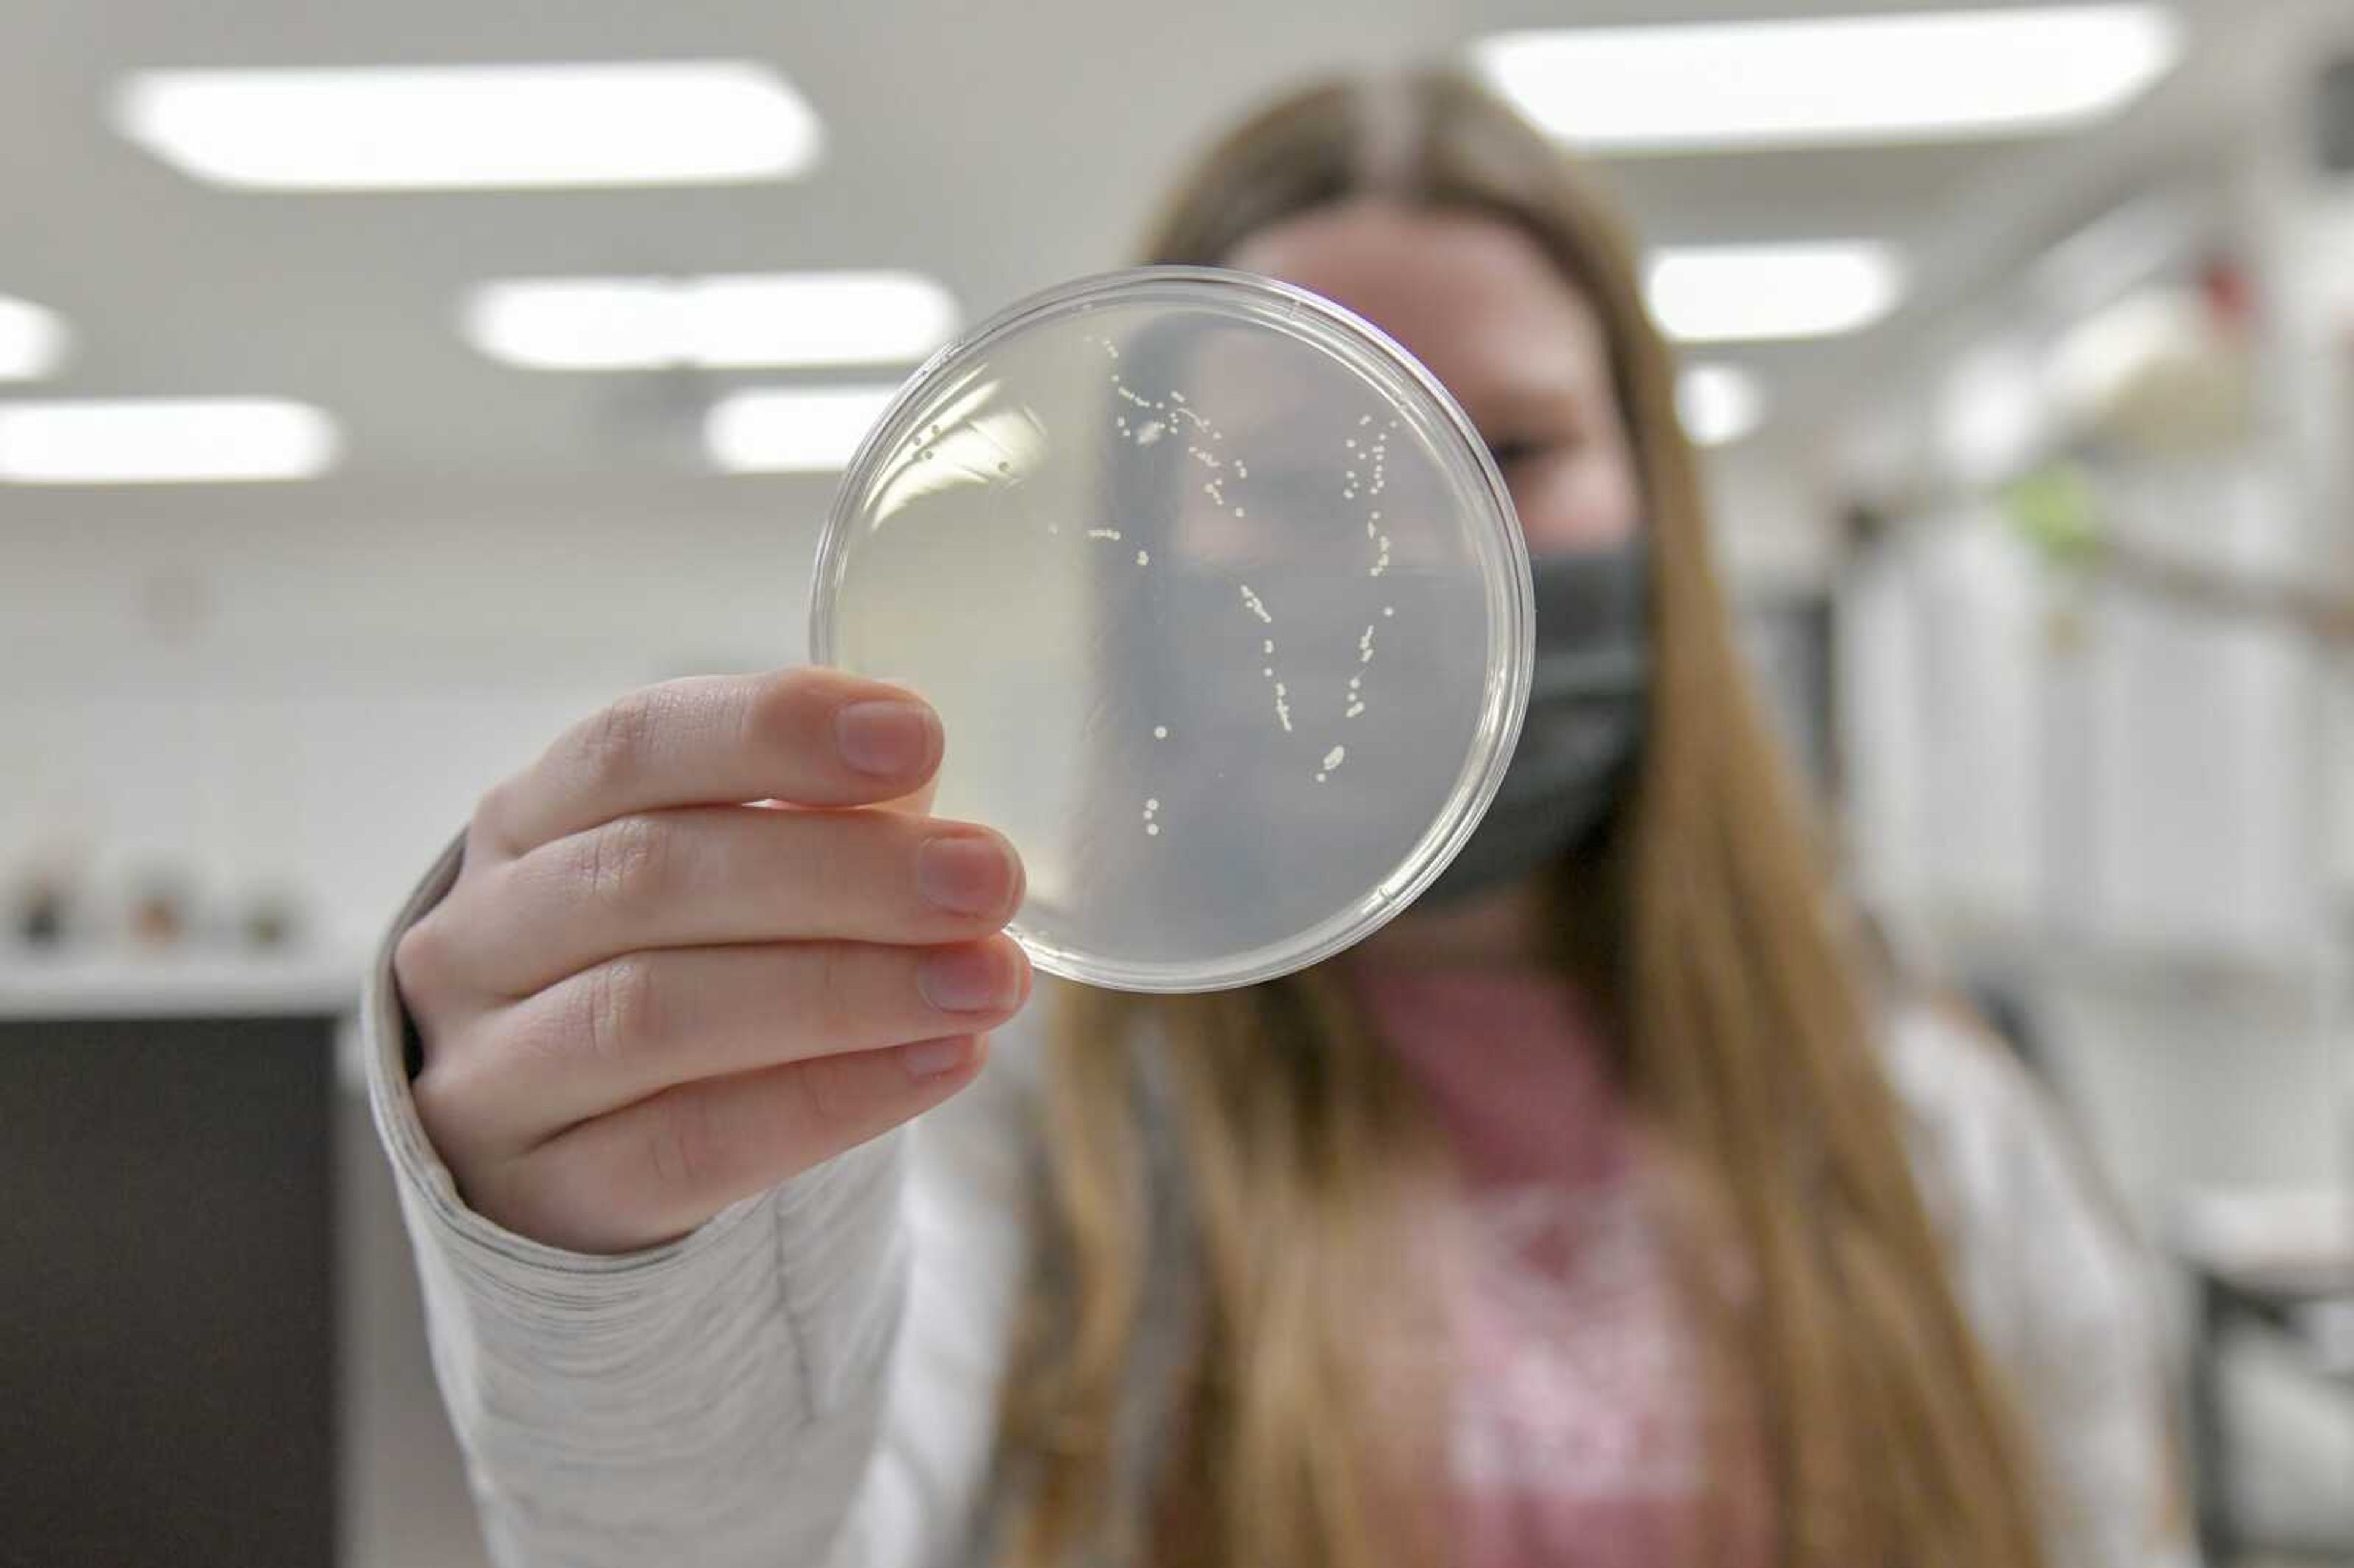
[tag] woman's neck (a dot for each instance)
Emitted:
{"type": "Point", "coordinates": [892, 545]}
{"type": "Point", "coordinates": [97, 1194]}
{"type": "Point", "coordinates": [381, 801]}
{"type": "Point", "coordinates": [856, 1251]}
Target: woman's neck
{"type": "Point", "coordinates": [1499, 930]}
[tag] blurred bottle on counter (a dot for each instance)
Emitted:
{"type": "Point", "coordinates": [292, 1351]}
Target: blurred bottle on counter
{"type": "Point", "coordinates": [159, 913]}
{"type": "Point", "coordinates": [41, 912]}
{"type": "Point", "coordinates": [45, 895]}
{"type": "Point", "coordinates": [271, 919]}
{"type": "Point", "coordinates": [58, 900]}
{"type": "Point", "coordinates": [48, 902]}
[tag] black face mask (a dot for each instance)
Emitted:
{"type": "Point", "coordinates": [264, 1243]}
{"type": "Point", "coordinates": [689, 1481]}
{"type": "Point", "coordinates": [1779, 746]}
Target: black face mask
{"type": "Point", "coordinates": [1587, 696]}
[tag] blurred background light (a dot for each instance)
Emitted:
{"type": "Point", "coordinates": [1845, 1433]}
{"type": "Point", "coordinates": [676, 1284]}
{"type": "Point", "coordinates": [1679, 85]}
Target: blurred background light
{"type": "Point", "coordinates": [1750, 292]}
{"type": "Point", "coordinates": [474, 127]}
{"type": "Point", "coordinates": [779, 319]}
{"type": "Point", "coordinates": [2121, 249]}
{"type": "Point", "coordinates": [1991, 412]}
{"type": "Point", "coordinates": [801, 430]}
{"type": "Point", "coordinates": [33, 340]}
{"type": "Point", "coordinates": [2157, 370]}
{"type": "Point", "coordinates": [1931, 77]}
{"type": "Point", "coordinates": [164, 441]}
{"type": "Point", "coordinates": [1720, 403]}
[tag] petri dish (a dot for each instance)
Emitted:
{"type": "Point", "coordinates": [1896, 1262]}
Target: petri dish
{"type": "Point", "coordinates": [1222, 602]}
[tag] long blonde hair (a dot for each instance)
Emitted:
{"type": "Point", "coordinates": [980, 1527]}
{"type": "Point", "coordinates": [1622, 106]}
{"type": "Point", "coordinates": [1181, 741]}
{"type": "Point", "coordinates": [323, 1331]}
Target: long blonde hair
{"type": "Point", "coordinates": [1702, 927]}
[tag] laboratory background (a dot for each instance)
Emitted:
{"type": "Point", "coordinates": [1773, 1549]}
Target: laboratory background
{"type": "Point", "coordinates": [354, 441]}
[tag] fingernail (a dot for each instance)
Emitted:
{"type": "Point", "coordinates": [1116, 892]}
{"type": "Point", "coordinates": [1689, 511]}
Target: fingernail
{"type": "Point", "coordinates": [966, 875]}
{"type": "Point", "coordinates": [967, 980]}
{"type": "Point", "coordinates": [930, 1058]}
{"type": "Point", "coordinates": [883, 736]}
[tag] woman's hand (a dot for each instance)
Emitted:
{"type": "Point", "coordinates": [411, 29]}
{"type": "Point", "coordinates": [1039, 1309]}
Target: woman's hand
{"type": "Point", "coordinates": [643, 999]}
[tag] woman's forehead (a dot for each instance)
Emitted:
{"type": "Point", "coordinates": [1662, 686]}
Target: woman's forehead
{"type": "Point", "coordinates": [1473, 297]}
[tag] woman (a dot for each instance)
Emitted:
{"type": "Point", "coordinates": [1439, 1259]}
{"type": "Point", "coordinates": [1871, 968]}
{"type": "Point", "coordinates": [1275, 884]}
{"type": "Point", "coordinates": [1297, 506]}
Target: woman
{"type": "Point", "coordinates": [1591, 1213]}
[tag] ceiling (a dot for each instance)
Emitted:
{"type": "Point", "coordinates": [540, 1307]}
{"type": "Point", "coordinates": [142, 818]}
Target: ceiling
{"type": "Point", "coordinates": [999, 147]}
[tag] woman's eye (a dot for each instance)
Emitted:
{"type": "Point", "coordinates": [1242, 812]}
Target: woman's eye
{"type": "Point", "coordinates": [1509, 453]}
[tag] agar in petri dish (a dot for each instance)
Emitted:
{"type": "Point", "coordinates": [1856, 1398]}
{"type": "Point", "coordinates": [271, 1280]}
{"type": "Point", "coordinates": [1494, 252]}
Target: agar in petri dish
{"type": "Point", "coordinates": [1223, 605]}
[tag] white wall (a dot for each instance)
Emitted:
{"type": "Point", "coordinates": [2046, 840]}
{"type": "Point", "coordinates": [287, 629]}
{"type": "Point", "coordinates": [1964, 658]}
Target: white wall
{"type": "Point", "coordinates": [1776, 521]}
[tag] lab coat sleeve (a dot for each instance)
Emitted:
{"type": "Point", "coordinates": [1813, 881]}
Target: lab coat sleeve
{"type": "Point", "coordinates": [745, 1395]}
{"type": "Point", "coordinates": [2061, 1293]}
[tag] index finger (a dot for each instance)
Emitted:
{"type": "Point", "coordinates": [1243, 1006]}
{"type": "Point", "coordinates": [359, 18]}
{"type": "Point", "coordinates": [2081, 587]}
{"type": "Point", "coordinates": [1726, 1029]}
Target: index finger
{"type": "Point", "coordinates": [804, 738]}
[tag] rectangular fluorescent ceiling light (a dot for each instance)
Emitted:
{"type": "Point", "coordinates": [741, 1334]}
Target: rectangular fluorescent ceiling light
{"type": "Point", "coordinates": [646, 324]}
{"type": "Point", "coordinates": [811, 430]}
{"type": "Point", "coordinates": [164, 441]}
{"type": "Point", "coordinates": [32, 340]}
{"type": "Point", "coordinates": [1735, 294]}
{"type": "Point", "coordinates": [472, 127]}
{"type": "Point", "coordinates": [1932, 76]}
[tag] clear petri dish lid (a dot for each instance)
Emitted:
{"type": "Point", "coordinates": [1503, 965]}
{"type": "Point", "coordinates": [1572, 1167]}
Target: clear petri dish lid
{"type": "Point", "coordinates": [1223, 605]}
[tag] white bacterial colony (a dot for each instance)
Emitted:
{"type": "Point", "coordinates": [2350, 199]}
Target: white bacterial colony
{"type": "Point", "coordinates": [1252, 602]}
{"type": "Point", "coordinates": [1374, 453]}
{"type": "Point", "coordinates": [1374, 478]}
{"type": "Point", "coordinates": [1365, 476]}
{"type": "Point", "coordinates": [1158, 418]}
{"type": "Point", "coordinates": [1357, 681]}
{"type": "Point", "coordinates": [1369, 479]}
{"type": "Point", "coordinates": [966, 435]}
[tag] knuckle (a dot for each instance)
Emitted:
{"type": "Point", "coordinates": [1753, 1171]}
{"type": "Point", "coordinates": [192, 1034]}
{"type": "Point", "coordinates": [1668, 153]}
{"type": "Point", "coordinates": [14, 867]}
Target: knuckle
{"type": "Point", "coordinates": [830, 1002]}
{"type": "Point", "coordinates": [420, 958]}
{"type": "Point", "coordinates": [521, 1194]}
{"type": "Point", "coordinates": [495, 809]}
{"type": "Point", "coordinates": [681, 1141]}
{"type": "Point", "coordinates": [413, 955]}
{"type": "Point", "coordinates": [777, 711]}
{"type": "Point", "coordinates": [625, 860]}
{"type": "Point", "coordinates": [616, 745]}
{"type": "Point", "coordinates": [441, 1095]}
{"type": "Point", "coordinates": [827, 1090]}
{"type": "Point", "coordinates": [620, 1010]}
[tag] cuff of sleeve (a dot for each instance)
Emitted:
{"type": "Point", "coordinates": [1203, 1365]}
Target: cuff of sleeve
{"type": "Point", "coordinates": [471, 1243]}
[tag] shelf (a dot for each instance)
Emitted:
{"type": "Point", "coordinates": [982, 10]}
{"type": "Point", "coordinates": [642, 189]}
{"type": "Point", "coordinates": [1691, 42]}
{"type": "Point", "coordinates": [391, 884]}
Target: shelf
{"type": "Point", "coordinates": [194, 985]}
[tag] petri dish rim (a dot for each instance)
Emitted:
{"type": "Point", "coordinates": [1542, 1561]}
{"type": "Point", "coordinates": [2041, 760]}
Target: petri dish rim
{"type": "Point", "coordinates": [1512, 612]}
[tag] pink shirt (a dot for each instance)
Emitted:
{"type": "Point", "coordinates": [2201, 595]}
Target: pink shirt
{"type": "Point", "coordinates": [1575, 1439]}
